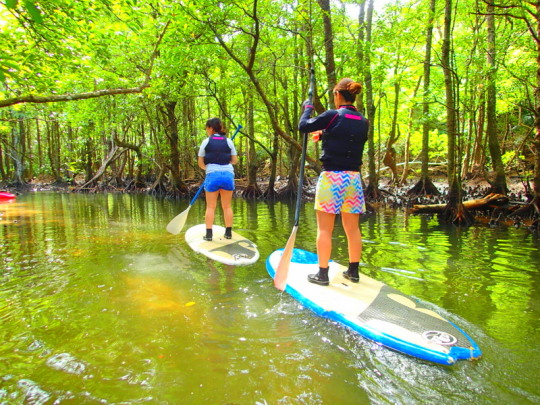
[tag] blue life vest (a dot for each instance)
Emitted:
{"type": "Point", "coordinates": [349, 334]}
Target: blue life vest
{"type": "Point", "coordinates": [217, 150]}
{"type": "Point", "coordinates": [343, 141]}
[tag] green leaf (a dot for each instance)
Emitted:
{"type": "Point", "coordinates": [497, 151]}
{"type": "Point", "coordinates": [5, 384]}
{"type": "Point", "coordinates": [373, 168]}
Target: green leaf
{"type": "Point", "coordinates": [10, 64]}
{"type": "Point", "coordinates": [11, 3]}
{"type": "Point", "coordinates": [33, 11]}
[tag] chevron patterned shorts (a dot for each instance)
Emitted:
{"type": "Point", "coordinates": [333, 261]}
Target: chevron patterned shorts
{"type": "Point", "coordinates": [340, 192]}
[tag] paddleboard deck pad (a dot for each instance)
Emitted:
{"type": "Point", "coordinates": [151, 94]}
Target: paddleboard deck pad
{"type": "Point", "coordinates": [376, 311]}
{"type": "Point", "coordinates": [237, 251]}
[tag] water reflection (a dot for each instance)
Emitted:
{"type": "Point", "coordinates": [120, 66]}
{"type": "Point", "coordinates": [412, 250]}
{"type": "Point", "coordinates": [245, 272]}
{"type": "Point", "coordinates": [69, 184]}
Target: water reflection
{"type": "Point", "coordinates": [98, 304]}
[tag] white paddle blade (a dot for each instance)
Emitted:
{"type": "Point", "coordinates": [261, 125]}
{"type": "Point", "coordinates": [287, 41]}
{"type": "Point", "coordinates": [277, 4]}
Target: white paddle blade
{"type": "Point", "coordinates": [282, 271]}
{"type": "Point", "coordinates": [178, 222]}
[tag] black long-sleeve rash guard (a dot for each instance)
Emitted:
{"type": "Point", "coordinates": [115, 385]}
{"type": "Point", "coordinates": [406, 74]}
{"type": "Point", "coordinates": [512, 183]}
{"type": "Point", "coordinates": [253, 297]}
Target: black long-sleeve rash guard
{"type": "Point", "coordinates": [317, 123]}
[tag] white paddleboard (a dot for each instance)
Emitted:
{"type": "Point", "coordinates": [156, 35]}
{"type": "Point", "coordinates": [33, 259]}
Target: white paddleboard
{"type": "Point", "coordinates": [376, 311]}
{"type": "Point", "coordinates": [237, 251]}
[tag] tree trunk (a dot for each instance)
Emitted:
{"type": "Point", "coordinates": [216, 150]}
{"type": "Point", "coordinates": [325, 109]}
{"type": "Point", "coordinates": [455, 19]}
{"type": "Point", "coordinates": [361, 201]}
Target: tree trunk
{"type": "Point", "coordinates": [16, 153]}
{"type": "Point", "coordinates": [27, 150]}
{"type": "Point", "coordinates": [449, 91]}
{"type": "Point", "coordinates": [390, 153]}
{"type": "Point", "coordinates": [3, 175]}
{"type": "Point", "coordinates": [330, 64]}
{"type": "Point", "coordinates": [53, 150]}
{"type": "Point", "coordinates": [425, 186]}
{"type": "Point", "coordinates": [372, 191]}
{"type": "Point", "coordinates": [189, 126]}
{"type": "Point", "coordinates": [171, 130]}
{"type": "Point", "coordinates": [360, 51]}
{"type": "Point", "coordinates": [454, 212]}
{"type": "Point", "coordinates": [426, 125]}
{"type": "Point", "coordinates": [410, 125]}
{"type": "Point", "coordinates": [498, 185]}
{"type": "Point", "coordinates": [291, 189]}
{"type": "Point", "coordinates": [252, 190]}
{"type": "Point", "coordinates": [137, 182]}
{"type": "Point", "coordinates": [478, 149]}
{"type": "Point", "coordinates": [39, 148]}
{"type": "Point", "coordinates": [465, 168]}
{"type": "Point", "coordinates": [88, 160]}
{"type": "Point", "coordinates": [270, 192]}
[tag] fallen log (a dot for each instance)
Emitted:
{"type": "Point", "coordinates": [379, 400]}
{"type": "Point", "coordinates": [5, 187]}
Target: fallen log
{"type": "Point", "coordinates": [114, 153]}
{"type": "Point", "coordinates": [490, 201]}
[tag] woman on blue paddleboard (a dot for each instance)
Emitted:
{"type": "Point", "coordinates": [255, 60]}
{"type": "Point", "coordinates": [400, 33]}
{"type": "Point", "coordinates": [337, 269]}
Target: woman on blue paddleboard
{"type": "Point", "coordinates": [343, 133]}
{"type": "Point", "coordinates": [217, 155]}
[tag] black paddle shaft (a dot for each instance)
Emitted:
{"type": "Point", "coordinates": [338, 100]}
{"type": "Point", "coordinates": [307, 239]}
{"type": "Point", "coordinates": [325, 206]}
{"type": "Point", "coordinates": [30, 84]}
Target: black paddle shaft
{"type": "Point", "coordinates": [303, 158]}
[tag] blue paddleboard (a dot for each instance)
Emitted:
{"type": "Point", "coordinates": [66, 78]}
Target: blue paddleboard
{"type": "Point", "coordinates": [376, 311]}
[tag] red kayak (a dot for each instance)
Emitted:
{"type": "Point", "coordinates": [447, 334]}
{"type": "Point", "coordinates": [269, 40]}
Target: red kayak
{"type": "Point", "coordinates": [6, 196]}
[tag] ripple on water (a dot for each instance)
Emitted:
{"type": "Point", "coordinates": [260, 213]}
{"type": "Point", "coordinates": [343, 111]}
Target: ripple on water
{"type": "Point", "coordinates": [33, 393]}
{"type": "Point", "coordinates": [67, 363]}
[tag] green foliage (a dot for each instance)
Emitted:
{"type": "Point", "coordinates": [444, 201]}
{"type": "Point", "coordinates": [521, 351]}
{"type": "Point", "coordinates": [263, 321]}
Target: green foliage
{"type": "Point", "coordinates": [11, 3]}
{"type": "Point", "coordinates": [71, 47]}
{"type": "Point", "coordinates": [508, 156]}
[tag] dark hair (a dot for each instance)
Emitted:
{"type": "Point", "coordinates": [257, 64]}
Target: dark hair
{"type": "Point", "coordinates": [348, 88]}
{"type": "Point", "coordinates": [216, 125]}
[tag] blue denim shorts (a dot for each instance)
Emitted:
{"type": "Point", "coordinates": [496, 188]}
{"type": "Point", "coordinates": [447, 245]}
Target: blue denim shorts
{"type": "Point", "coordinates": [220, 180]}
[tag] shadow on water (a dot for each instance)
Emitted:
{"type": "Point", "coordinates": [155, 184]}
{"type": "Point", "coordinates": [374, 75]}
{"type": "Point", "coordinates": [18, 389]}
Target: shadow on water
{"type": "Point", "coordinates": [98, 304]}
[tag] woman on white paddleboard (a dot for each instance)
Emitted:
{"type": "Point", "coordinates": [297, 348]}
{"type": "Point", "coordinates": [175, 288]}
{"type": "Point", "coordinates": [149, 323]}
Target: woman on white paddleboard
{"type": "Point", "coordinates": [343, 133]}
{"type": "Point", "coordinates": [216, 157]}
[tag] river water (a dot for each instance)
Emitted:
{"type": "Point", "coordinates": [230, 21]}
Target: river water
{"type": "Point", "coordinates": [100, 305]}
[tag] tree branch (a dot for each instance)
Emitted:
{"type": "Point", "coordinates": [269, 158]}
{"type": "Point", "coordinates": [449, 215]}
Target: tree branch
{"type": "Point", "coordinates": [93, 94]}
{"type": "Point", "coordinates": [256, 38]}
{"type": "Point", "coordinates": [514, 7]}
{"type": "Point", "coordinates": [69, 97]}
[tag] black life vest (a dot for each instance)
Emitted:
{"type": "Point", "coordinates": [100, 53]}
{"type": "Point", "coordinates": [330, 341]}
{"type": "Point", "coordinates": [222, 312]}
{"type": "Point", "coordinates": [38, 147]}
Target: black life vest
{"type": "Point", "coordinates": [343, 140]}
{"type": "Point", "coordinates": [217, 150]}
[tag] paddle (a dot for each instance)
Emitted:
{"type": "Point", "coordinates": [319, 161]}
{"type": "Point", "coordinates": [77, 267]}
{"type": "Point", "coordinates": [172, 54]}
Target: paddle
{"type": "Point", "coordinates": [280, 278]}
{"type": "Point", "coordinates": [178, 222]}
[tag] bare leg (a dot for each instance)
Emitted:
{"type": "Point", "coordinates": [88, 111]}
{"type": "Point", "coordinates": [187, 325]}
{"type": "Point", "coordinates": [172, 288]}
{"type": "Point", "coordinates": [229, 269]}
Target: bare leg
{"type": "Point", "coordinates": [325, 227]}
{"type": "Point", "coordinates": [211, 203]}
{"type": "Point", "coordinates": [226, 198]}
{"type": "Point", "coordinates": [351, 224]}
{"type": "Point", "coordinates": [354, 241]}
